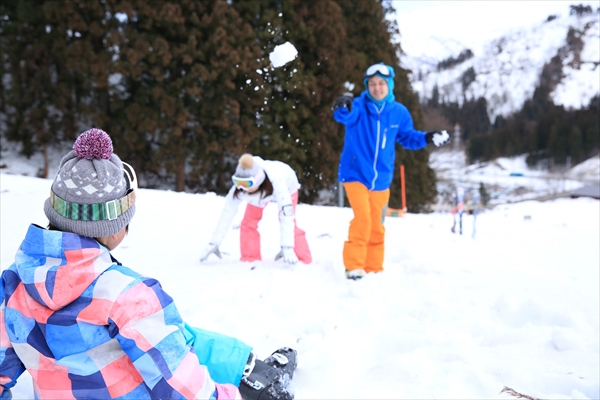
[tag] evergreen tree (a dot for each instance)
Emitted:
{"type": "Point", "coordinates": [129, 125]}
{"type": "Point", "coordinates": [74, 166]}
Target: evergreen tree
{"type": "Point", "coordinates": [229, 100]}
{"type": "Point", "coordinates": [184, 87]}
{"type": "Point", "coordinates": [189, 71]}
{"type": "Point", "coordinates": [295, 119]}
{"type": "Point", "coordinates": [576, 151]}
{"type": "Point", "coordinates": [56, 64]}
{"type": "Point", "coordinates": [27, 61]}
{"type": "Point", "coordinates": [547, 133]}
{"type": "Point", "coordinates": [484, 194]}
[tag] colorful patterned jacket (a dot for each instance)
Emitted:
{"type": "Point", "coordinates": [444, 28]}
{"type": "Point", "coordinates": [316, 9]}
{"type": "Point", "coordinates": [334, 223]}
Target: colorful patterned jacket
{"type": "Point", "coordinates": [84, 326]}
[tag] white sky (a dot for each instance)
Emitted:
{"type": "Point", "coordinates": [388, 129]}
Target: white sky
{"type": "Point", "coordinates": [471, 22]}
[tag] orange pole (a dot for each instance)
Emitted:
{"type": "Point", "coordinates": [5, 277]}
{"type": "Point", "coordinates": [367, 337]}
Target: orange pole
{"type": "Point", "coordinates": [403, 187]}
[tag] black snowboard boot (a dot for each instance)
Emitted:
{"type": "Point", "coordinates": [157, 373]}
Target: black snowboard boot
{"type": "Point", "coordinates": [270, 379]}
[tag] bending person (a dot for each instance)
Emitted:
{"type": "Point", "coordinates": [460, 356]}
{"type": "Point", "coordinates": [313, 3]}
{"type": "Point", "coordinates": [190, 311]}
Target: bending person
{"type": "Point", "coordinates": [259, 182]}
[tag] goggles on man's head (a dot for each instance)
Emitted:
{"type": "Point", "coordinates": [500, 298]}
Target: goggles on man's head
{"type": "Point", "coordinates": [378, 69]}
{"type": "Point", "coordinates": [249, 183]}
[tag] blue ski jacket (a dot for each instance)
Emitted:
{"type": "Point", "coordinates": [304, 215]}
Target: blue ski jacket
{"type": "Point", "coordinates": [369, 151]}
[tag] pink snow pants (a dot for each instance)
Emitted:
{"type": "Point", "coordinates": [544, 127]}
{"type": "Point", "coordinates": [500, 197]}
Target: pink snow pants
{"type": "Point", "coordinates": [250, 237]}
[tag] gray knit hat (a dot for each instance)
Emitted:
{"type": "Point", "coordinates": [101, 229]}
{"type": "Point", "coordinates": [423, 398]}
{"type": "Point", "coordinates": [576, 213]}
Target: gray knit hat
{"type": "Point", "coordinates": [248, 169]}
{"type": "Point", "coordinates": [93, 192]}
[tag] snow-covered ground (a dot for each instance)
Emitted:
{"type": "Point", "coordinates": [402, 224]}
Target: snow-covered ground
{"type": "Point", "coordinates": [451, 317]}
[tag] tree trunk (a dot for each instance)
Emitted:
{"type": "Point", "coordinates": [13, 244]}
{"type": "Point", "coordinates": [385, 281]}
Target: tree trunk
{"type": "Point", "coordinates": [44, 172]}
{"type": "Point", "coordinates": [180, 182]}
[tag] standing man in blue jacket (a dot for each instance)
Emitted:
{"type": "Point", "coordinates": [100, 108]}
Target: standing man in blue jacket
{"type": "Point", "coordinates": [373, 121]}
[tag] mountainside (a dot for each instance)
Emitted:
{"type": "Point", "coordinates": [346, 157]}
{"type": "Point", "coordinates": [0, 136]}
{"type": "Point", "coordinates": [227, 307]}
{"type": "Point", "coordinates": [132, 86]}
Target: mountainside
{"type": "Point", "coordinates": [510, 67]}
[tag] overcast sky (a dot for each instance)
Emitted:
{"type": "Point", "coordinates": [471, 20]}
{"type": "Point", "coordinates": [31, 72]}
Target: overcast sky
{"type": "Point", "coordinates": [471, 22]}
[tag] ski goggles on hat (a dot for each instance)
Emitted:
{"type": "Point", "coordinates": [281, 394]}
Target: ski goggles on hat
{"type": "Point", "coordinates": [130, 176]}
{"type": "Point", "coordinates": [98, 211]}
{"type": "Point", "coordinates": [378, 69]}
{"type": "Point", "coordinates": [248, 183]}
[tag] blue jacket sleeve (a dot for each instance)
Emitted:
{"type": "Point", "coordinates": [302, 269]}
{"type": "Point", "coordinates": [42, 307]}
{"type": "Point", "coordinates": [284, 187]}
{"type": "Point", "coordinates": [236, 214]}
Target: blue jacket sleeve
{"type": "Point", "coordinates": [224, 356]}
{"type": "Point", "coordinates": [346, 117]}
{"type": "Point", "coordinates": [11, 366]}
{"type": "Point", "coordinates": [407, 135]}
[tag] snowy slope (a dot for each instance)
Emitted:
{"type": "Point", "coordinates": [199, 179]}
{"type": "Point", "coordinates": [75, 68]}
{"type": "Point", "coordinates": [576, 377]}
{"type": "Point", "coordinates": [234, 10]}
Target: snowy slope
{"type": "Point", "coordinates": [424, 53]}
{"type": "Point", "coordinates": [587, 171]}
{"type": "Point", "coordinates": [509, 69]}
{"type": "Point", "coordinates": [451, 317]}
{"type": "Point", "coordinates": [581, 82]}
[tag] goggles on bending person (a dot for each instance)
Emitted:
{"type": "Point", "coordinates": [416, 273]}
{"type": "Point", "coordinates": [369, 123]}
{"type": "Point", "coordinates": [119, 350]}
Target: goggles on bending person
{"type": "Point", "coordinates": [378, 69]}
{"type": "Point", "coordinates": [249, 183]}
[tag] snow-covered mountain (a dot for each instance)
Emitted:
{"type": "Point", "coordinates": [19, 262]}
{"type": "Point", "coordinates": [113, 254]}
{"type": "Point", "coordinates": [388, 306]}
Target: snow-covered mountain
{"type": "Point", "coordinates": [425, 53]}
{"type": "Point", "coordinates": [509, 69]}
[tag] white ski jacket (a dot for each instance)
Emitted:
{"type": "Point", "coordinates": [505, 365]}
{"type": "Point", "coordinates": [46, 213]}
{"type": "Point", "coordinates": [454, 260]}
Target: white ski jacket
{"type": "Point", "coordinates": [285, 183]}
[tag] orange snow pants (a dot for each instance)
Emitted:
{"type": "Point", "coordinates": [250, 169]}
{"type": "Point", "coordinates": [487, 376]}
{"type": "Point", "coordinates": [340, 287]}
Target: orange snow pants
{"type": "Point", "coordinates": [250, 237]}
{"type": "Point", "coordinates": [364, 247]}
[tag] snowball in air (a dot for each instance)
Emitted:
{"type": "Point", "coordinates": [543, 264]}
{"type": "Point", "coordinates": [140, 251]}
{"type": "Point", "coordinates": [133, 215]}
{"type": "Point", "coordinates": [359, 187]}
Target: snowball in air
{"type": "Point", "coordinates": [283, 54]}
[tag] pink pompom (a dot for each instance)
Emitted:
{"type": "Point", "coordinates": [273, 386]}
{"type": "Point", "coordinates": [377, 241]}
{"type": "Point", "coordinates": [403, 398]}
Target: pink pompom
{"type": "Point", "coordinates": [93, 143]}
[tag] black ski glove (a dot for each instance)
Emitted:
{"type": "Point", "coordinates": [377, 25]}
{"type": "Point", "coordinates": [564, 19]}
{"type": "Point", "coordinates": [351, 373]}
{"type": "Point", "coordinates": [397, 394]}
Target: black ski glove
{"type": "Point", "coordinates": [438, 138]}
{"type": "Point", "coordinates": [343, 101]}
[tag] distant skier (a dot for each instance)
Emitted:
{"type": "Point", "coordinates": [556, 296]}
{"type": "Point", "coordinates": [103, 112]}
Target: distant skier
{"type": "Point", "coordinates": [458, 208]}
{"type": "Point", "coordinates": [476, 203]}
{"type": "Point", "coordinates": [87, 327]}
{"type": "Point", "coordinates": [259, 182]}
{"type": "Point", "coordinates": [374, 123]}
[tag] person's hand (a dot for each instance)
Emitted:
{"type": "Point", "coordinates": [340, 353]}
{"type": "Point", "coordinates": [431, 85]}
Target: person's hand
{"type": "Point", "coordinates": [438, 138]}
{"type": "Point", "coordinates": [208, 250]}
{"type": "Point", "coordinates": [288, 254]}
{"type": "Point", "coordinates": [343, 101]}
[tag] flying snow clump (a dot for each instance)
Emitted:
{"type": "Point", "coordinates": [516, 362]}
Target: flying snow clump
{"type": "Point", "coordinates": [283, 54]}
